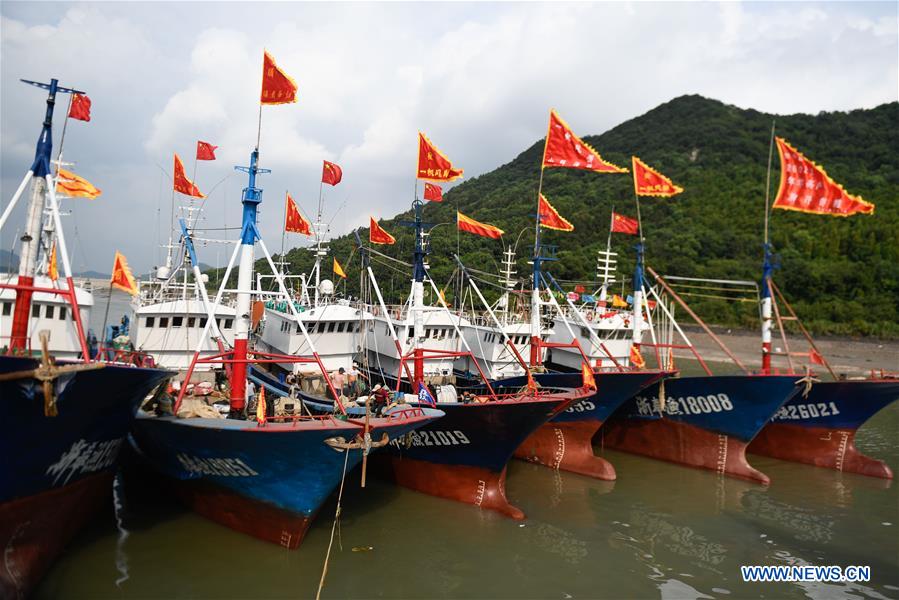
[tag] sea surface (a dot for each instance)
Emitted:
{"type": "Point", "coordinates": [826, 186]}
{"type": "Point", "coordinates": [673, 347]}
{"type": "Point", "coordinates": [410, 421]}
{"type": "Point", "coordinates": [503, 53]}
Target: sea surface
{"type": "Point", "coordinates": [659, 531]}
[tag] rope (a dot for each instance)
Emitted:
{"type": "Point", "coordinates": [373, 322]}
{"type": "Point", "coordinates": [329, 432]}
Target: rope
{"type": "Point", "coordinates": [321, 582]}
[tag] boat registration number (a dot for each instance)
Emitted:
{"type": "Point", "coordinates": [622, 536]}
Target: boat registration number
{"type": "Point", "coordinates": [582, 406]}
{"type": "Point", "coordinates": [689, 405]}
{"type": "Point", "coordinates": [439, 438]}
{"type": "Point", "coordinates": [806, 411]}
{"type": "Point", "coordinates": [222, 467]}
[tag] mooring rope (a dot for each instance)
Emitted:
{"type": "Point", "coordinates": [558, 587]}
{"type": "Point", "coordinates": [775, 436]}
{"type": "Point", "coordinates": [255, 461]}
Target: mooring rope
{"type": "Point", "coordinates": [321, 582]}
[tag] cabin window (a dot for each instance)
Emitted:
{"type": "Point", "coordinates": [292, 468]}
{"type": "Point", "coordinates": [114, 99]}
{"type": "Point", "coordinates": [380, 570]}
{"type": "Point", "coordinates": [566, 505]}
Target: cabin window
{"type": "Point", "coordinates": [49, 311]}
{"type": "Point", "coordinates": [203, 321]}
{"type": "Point", "coordinates": [229, 323]}
{"type": "Point", "coordinates": [298, 328]}
{"type": "Point", "coordinates": [149, 321]}
{"type": "Point", "coordinates": [585, 332]}
{"type": "Point", "coordinates": [163, 322]}
{"type": "Point", "coordinates": [486, 337]}
{"type": "Point", "coordinates": [62, 313]}
{"type": "Point", "coordinates": [340, 327]}
{"type": "Point", "coordinates": [191, 321]}
{"type": "Point", "coordinates": [36, 310]}
{"type": "Point", "coordinates": [177, 321]}
{"type": "Point", "coordinates": [331, 326]}
{"type": "Point", "coordinates": [7, 308]}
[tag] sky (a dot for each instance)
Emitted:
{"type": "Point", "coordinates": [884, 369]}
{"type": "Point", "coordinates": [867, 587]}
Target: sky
{"type": "Point", "coordinates": [477, 78]}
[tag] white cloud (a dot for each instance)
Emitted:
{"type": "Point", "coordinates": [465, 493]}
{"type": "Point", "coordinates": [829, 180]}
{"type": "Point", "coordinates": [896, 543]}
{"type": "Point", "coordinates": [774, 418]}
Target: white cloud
{"type": "Point", "coordinates": [477, 78]}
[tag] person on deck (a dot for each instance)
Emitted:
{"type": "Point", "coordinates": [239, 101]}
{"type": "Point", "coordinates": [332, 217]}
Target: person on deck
{"type": "Point", "coordinates": [338, 380]}
{"type": "Point", "coordinates": [379, 398]}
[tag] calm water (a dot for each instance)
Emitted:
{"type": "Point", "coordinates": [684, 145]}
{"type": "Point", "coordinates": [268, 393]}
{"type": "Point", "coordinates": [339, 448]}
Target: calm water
{"type": "Point", "coordinates": [660, 531]}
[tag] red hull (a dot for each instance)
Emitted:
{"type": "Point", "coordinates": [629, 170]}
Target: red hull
{"type": "Point", "coordinates": [666, 439]}
{"type": "Point", "coordinates": [463, 483]}
{"type": "Point", "coordinates": [34, 530]}
{"type": "Point", "coordinates": [245, 515]}
{"type": "Point", "coordinates": [568, 447]}
{"type": "Point", "coordinates": [819, 446]}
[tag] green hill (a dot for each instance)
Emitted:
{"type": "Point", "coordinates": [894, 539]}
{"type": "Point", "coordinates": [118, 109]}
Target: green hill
{"type": "Point", "coordinates": [842, 274]}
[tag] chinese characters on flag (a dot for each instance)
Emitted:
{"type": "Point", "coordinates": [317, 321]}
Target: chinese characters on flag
{"type": "Point", "coordinates": [205, 151]}
{"type": "Point", "coordinates": [432, 164]}
{"type": "Point", "coordinates": [564, 149]}
{"type": "Point", "coordinates": [182, 184]}
{"type": "Point", "coordinates": [121, 275]}
{"type": "Point", "coordinates": [806, 187]}
{"type": "Point", "coordinates": [476, 227]}
{"type": "Point", "coordinates": [277, 86]}
{"type": "Point", "coordinates": [649, 182]}
{"type": "Point", "coordinates": [622, 224]}
{"type": "Point", "coordinates": [80, 108]}
{"type": "Point", "coordinates": [434, 193]}
{"type": "Point", "coordinates": [550, 217]}
{"type": "Point", "coordinates": [331, 173]}
{"type": "Point", "coordinates": [377, 235]}
{"type": "Point", "coordinates": [293, 220]}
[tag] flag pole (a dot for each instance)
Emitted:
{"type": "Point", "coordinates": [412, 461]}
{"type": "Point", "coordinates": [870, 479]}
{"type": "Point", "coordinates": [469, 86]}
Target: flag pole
{"type": "Point", "coordinates": [259, 127]}
{"type": "Point", "coordinates": [106, 314]}
{"type": "Point", "coordinates": [62, 137]}
{"type": "Point", "coordinates": [284, 229]}
{"type": "Point", "coordinates": [768, 180]}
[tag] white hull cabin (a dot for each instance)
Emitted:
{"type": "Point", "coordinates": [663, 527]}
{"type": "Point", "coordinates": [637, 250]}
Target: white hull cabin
{"type": "Point", "coordinates": [170, 330]}
{"type": "Point", "coordinates": [614, 329]}
{"type": "Point", "coordinates": [336, 330]}
{"type": "Point", "coordinates": [439, 334]}
{"type": "Point", "coordinates": [488, 345]}
{"type": "Point", "coordinates": [49, 312]}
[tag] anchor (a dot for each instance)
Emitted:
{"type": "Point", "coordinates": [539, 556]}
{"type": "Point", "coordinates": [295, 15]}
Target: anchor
{"type": "Point", "coordinates": [47, 373]}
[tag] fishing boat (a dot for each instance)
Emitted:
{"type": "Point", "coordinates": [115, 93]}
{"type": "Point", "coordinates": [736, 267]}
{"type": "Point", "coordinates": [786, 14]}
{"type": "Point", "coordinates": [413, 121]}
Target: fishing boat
{"type": "Point", "coordinates": [67, 418]}
{"type": "Point", "coordinates": [266, 477]}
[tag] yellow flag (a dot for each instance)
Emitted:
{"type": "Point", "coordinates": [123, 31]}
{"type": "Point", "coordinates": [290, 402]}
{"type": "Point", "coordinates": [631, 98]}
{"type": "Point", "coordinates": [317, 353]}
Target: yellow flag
{"type": "Point", "coordinates": [52, 269]}
{"type": "Point", "coordinates": [618, 301]}
{"type": "Point", "coordinates": [121, 275]}
{"type": "Point", "coordinates": [71, 185]}
{"type": "Point", "coordinates": [260, 406]}
{"type": "Point", "coordinates": [338, 270]}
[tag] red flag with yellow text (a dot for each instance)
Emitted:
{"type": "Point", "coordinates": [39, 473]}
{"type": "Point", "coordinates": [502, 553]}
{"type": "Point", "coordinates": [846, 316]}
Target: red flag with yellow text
{"type": "Point", "coordinates": [476, 227]}
{"type": "Point", "coordinates": [649, 182]}
{"type": "Point", "coordinates": [122, 278]}
{"type": "Point", "coordinates": [564, 149]}
{"type": "Point", "coordinates": [377, 235]}
{"type": "Point", "coordinates": [293, 220]}
{"type": "Point", "coordinates": [277, 86]}
{"type": "Point", "coordinates": [181, 183]}
{"type": "Point", "coordinates": [434, 193]}
{"type": "Point", "coordinates": [205, 151]}
{"type": "Point", "coordinates": [433, 164]}
{"type": "Point", "coordinates": [806, 187]}
{"type": "Point", "coordinates": [550, 217]}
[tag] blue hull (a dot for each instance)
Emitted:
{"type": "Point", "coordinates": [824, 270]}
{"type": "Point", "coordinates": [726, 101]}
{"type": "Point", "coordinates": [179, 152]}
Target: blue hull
{"type": "Point", "coordinates": [57, 470]}
{"type": "Point", "coordinates": [734, 405]}
{"type": "Point", "coordinates": [269, 481]}
{"type": "Point", "coordinates": [819, 429]}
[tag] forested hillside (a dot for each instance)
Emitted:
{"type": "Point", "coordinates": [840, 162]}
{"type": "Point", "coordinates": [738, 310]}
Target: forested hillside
{"type": "Point", "coordinates": [842, 274]}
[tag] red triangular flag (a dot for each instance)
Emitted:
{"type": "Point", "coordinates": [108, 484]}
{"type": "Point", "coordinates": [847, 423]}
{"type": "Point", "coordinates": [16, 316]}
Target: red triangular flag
{"type": "Point", "coordinates": [377, 235]}
{"type": "Point", "coordinates": [182, 184]}
{"type": "Point", "coordinates": [432, 164]}
{"type": "Point", "coordinates": [564, 149]}
{"type": "Point", "coordinates": [476, 227]}
{"type": "Point", "coordinates": [293, 220]}
{"type": "Point", "coordinates": [550, 217]}
{"type": "Point", "coordinates": [277, 86]}
{"type": "Point", "coordinates": [649, 182]}
{"type": "Point", "coordinates": [806, 187]}
{"type": "Point", "coordinates": [81, 107]}
{"type": "Point", "coordinates": [205, 151]}
{"type": "Point", "coordinates": [331, 173]}
{"type": "Point", "coordinates": [434, 193]}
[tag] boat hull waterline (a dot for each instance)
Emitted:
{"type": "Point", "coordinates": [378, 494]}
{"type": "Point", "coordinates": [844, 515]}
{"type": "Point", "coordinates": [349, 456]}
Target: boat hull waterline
{"type": "Point", "coordinates": [819, 428]}
{"type": "Point", "coordinates": [708, 421]}
{"type": "Point", "coordinates": [59, 469]}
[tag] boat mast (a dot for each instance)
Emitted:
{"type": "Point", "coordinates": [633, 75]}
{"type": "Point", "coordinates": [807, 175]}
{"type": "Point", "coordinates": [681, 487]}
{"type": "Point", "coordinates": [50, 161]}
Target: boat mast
{"type": "Point", "coordinates": [418, 277]}
{"type": "Point", "coordinates": [321, 249]}
{"type": "Point", "coordinates": [508, 283]}
{"type": "Point", "coordinates": [605, 264]}
{"type": "Point", "coordinates": [252, 196]}
{"type": "Point", "coordinates": [767, 270]}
